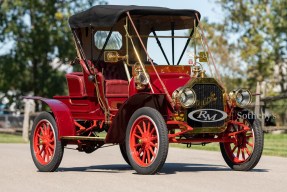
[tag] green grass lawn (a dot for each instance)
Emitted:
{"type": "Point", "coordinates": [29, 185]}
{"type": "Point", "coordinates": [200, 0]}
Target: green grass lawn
{"type": "Point", "coordinates": [274, 145]}
{"type": "Point", "coordinates": [10, 138]}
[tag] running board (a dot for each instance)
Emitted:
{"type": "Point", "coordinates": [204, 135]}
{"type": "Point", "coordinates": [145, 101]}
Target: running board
{"type": "Point", "coordinates": [83, 138]}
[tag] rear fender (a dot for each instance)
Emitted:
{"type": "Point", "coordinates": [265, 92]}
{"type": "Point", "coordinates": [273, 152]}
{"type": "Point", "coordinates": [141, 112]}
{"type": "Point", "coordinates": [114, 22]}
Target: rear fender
{"type": "Point", "coordinates": [117, 131]}
{"type": "Point", "coordinates": [62, 115]}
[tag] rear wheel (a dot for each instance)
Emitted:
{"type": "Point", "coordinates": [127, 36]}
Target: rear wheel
{"type": "Point", "coordinates": [46, 149]}
{"type": "Point", "coordinates": [245, 152]}
{"type": "Point", "coordinates": [147, 141]}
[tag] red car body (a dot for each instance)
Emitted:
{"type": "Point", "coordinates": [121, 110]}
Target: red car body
{"type": "Point", "coordinates": [142, 106]}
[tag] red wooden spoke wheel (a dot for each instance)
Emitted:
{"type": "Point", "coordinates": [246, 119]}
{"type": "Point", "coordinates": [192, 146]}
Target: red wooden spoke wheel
{"type": "Point", "coordinates": [44, 142]}
{"type": "Point", "coordinates": [147, 141]}
{"type": "Point", "coordinates": [245, 152]}
{"type": "Point", "coordinates": [46, 149]}
{"type": "Point", "coordinates": [144, 141]}
{"type": "Point", "coordinates": [240, 150]}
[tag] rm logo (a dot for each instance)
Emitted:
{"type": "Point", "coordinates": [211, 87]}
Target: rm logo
{"type": "Point", "coordinates": [207, 115]}
{"type": "Point", "coordinates": [204, 115]}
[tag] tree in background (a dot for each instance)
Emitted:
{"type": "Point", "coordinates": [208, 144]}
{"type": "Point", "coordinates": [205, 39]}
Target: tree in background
{"type": "Point", "coordinates": [41, 36]}
{"type": "Point", "coordinates": [261, 31]}
{"type": "Point", "coordinates": [224, 53]}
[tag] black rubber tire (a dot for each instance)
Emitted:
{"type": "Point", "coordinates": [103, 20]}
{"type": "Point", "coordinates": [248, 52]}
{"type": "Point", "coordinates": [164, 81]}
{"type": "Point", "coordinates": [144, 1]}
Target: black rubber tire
{"type": "Point", "coordinates": [124, 152]}
{"type": "Point", "coordinates": [160, 159]}
{"type": "Point", "coordinates": [59, 148]}
{"type": "Point", "coordinates": [251, 162]}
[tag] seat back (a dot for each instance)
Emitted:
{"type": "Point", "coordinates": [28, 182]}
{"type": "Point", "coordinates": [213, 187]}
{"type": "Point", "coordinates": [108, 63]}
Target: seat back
{"type": "Point", "coordinates": [113, 70]}
{"type": "Point", "coordinates": [111, 77]}
{"type": "Point", "coordinates": [116, 81]}
{"type": "Point", "coordinates": [76, 84]}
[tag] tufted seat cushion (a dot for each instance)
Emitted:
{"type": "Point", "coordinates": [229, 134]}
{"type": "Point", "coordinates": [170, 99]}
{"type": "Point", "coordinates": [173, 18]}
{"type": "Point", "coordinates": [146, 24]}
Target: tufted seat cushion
{"type": "Point", "coordinates": [117, 88]}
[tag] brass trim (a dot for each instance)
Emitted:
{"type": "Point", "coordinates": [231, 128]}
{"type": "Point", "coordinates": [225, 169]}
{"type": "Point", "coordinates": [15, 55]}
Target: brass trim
{"type": "Point", "coordinates": [127, 42]}
{"type": "Point", "coordinates": [113, 56]}
{"type": "Point", "coordinates": [204, 81]}
{"type": "Point", "coordinates": [203, 56]}
{"type": "Point", "coordinates": [139, 59]}
{"type": "Point", "coordinates": [168, 97]}
{"type": "Point", "coordinates": [203, 39]}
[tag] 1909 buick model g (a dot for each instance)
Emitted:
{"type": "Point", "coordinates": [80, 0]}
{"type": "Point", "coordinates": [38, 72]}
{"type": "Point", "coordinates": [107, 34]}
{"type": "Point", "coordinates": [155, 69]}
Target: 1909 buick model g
{"type": "Point", "coordinates": [141, 105]}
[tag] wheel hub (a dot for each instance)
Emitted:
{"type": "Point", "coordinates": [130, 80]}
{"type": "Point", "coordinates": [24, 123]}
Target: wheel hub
{"type": "Point", "coordinates": [45, 140]}
{"type": "Point", "coordinates": [145, 142]}
{"type": "Point", "coordinates": [241, 140]}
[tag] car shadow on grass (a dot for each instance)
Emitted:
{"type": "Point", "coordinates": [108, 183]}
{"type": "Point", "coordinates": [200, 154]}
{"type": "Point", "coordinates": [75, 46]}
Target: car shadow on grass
{"type": "Point", "coordinates": [168, 168]}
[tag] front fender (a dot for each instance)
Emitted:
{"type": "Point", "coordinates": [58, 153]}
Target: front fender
{"type": "Point", "coordinates": [62, 115]}
{"type": "Point", "coordinates": [117, 131]}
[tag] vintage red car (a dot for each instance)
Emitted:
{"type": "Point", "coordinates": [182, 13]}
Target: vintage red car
{"type": "Point", "coordinates": [141, 105]}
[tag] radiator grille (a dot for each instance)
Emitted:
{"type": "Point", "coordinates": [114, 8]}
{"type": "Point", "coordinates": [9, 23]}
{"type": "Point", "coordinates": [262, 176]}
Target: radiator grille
{"type": "Point", "coordinates": [208, 96]}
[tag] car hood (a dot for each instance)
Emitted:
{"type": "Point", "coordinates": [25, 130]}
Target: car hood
{"type": "Point", "coordinates": [172, 81]}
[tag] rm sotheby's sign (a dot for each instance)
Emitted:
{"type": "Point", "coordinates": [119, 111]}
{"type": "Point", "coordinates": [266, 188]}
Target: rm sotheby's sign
{"type": "Point", "coordinates": [207, 115]}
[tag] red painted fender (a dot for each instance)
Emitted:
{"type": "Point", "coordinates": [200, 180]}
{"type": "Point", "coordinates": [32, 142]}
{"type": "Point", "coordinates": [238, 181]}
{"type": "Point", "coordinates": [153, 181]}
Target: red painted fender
{"type": "Point", "coordinates": [117, 131]}
{"type": "Point", "coordinates": [62, 115]}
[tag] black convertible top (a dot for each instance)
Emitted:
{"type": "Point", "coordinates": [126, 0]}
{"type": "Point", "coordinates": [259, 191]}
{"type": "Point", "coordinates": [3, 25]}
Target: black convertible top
{"type": "Point", "coordinates": [108, 15]}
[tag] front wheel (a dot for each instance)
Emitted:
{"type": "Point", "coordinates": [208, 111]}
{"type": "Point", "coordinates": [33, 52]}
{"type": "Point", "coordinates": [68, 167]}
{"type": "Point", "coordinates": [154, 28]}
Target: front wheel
{"type": "Point", "coordinates": [245, 152]}
{"type": "Point", "coordinates": [46, 149]}
{"type": "Point", "coordinates": [124, 152]}
{"type": "Point", "coordinates": [147, 141]}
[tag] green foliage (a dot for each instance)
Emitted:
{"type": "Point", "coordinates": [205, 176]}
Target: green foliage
{"type": "Point", "coordinates": [40, 34]}
{"type": "Point", "coordinates": [279, 109]}
{"type": "Point", "coordinates": [219, 45]}
{"type": "Point", "coordinates": [224, 54]}
{"type": "Point", "coordinates": [260, 28]}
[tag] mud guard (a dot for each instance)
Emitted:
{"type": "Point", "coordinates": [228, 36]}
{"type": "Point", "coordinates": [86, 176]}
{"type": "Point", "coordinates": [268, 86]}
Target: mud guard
{"type": "Point", "coordinates": [117, 131]}
{"type": "Point", "coordinates": [62, 115]}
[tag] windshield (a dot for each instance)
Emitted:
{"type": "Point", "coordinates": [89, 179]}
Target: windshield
{"type": "Point", "coordinates": [166, 57]}
{"type": "Point", "coordinates": [180, 50]}
{"type": "Point", "coordinates": [171, 45]}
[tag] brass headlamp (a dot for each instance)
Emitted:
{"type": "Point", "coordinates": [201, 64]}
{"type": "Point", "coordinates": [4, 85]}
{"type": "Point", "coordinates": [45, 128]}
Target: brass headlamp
{"type": "Point", "coordinates": [240, 97]}
{"type": "Point", "coordinates": [185, 96]}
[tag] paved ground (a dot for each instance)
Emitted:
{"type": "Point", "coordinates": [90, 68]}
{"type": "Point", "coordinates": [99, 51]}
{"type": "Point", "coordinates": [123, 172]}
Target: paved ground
{"type": "Point", "coordinates": [105, 170]}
